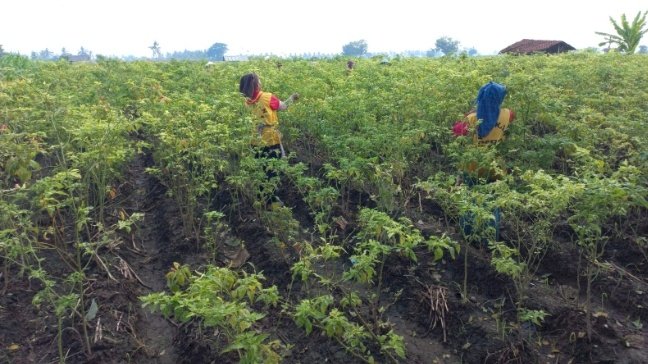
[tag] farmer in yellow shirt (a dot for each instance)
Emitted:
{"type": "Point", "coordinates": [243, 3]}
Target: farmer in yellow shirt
{"type": "Point", "coordinates": [489, 122]}
{"type": "Point", "coordinates": [265, 106]}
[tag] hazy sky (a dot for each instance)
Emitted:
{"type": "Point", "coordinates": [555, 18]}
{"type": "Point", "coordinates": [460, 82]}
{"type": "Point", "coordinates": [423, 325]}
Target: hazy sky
{"type": "Point", "coordinates": [283, 27]}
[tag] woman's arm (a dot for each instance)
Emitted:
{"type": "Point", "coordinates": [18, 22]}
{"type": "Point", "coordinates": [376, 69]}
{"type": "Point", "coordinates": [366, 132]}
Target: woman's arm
{"type": "Point", "coordinates": [283, 105]}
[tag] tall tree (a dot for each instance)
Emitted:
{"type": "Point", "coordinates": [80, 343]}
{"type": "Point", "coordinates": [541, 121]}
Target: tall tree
{"type": "Point", "coordinates": [355, 49]}
{"type": "Point", "coordinates": [628, 34]}
{"type": "Point", "coordinates": [217, 52]}
{"type": "Point", "coordinates": [447, 45]}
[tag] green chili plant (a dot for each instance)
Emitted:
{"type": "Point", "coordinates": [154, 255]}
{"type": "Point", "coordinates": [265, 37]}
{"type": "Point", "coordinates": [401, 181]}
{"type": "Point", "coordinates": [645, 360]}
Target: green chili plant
{"type": "Point", "coordinates": [532, 212]}
{"type": "Point", "coordinates": [439, 188]}
{"type": "Point", "coordinates": [214, 232]}
{"type": "Point", "coordinates": [386, 189]}
{"type": "Point", "coordinates": [349, 176]}
{"type": "Point", "coordinates": [18, 236]}
{"type": "Point", "coordinates": [100, 148]}
{"type": "Point", "coordinates": [192, 154]}
{"type": "Point", "coordinates": [320, 198]}
{"type": "Point", "coordinates": [379, 237]}
{"type": "Point", "coordinates": [471, 208]}
{"type": "Point", "coordinates": [478, 222]}
{"type": "Point", "coordinates": [321, 312]}
{"type": "Point", "coordinates": [283, 227]}
{"type": "Point", "coordinates": [71, 302]}
{"type": "Point", "coordinates": [304, 269]}
{"type": "Point", "coordinates": [249, 183]}
{"type": "Point", "coordinates": [601, 199]}
{"type": "Point", "coordinates": [17, 154]}
{"type": "Point", "coordinates": [223, 299]}
{"type": "Point", "coordinates": [58, 195]}
{"type": "Point", "coordinates": [632, 177]}
{"type": "Point", "coordinates": [478, 166]}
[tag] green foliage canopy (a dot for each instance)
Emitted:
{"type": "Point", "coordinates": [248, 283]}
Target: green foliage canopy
{"type": "Point", "coordinates": [447, 45]}
{"type": "Point", "coordinates": [217, 51]}
{"type": "Point", "coordinates": [628, 34]}
{"type": "Point", "coordinates": [356, 48]}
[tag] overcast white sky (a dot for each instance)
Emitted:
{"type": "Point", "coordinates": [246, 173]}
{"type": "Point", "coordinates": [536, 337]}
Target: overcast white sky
{"type": "Point", "coordinates": [283, 27]}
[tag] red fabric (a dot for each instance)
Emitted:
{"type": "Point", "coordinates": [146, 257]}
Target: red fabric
{"type": "Point", "coordinates": [460, 128]}
{"type": "Point", "coordinates": [255, 97]}
{"type": "Point", "coordinates": [274, 102]}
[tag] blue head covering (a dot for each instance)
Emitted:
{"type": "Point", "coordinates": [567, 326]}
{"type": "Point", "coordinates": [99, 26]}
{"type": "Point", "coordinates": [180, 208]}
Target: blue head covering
{"type": "Point", "coordinates": [489, 99]}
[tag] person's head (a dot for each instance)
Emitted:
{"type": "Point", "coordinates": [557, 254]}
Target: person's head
{"type": "Point", "coordinates": [249, 84]}
{"type": "Point", "coordinates": [489, 100]}
{"type": "Point", "coordinates": [491, 94]}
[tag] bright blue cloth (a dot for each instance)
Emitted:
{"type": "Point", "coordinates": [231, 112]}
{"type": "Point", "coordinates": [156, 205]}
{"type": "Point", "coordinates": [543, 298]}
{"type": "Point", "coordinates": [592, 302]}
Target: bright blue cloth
{"type": "Point", "coordinates": [489, 100]}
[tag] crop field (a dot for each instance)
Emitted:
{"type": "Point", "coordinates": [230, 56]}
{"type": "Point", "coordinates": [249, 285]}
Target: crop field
{"type": "Point", "coordinates": [134, 228]}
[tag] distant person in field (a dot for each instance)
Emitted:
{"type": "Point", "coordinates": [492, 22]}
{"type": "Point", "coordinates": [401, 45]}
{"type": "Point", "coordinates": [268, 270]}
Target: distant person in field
{"type": "Point", "coordinates": [350, 65]}
{"type": "Point", "coordinates": [487, 124]}
{"type": "Point", "coordinates": [265, 107]}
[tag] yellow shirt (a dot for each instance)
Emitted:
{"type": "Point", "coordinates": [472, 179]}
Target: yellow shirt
{"type": "Point", "coordinates": [497, 133]}
{"type": "Point", "coordinates": [264, 107]}
{"type": "Point", "coordinates": [506, 116]}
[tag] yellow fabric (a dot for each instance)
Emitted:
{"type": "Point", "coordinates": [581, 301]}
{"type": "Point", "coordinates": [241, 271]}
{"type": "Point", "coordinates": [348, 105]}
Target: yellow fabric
{"type": "Point", "coordinates": [497, 133]}
{"type": "Point", "coordinates": [266, 132]}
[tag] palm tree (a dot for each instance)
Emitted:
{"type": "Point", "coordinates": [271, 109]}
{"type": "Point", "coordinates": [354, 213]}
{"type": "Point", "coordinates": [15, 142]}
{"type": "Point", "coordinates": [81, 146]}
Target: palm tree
{"type": "Point", "coordinates": [628, 35]}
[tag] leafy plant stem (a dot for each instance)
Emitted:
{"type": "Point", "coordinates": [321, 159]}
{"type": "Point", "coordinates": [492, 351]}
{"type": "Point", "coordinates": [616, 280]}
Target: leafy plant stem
{"type": "Point", "coordinates": [464, 298]}
{"type": "Point", "coordinates": [376, 303]}
{"type": "Point", "coordinates": [59, 340]}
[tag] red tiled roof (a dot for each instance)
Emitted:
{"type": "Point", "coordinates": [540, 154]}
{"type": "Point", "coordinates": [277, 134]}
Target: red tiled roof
{"type": "Point", "coordinates": [526, 46]}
